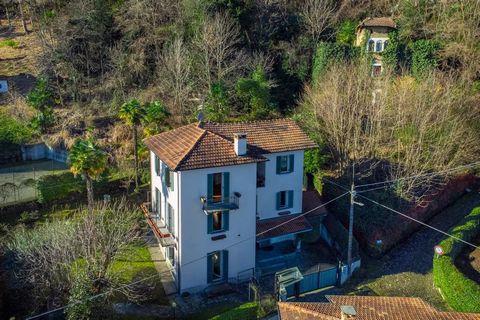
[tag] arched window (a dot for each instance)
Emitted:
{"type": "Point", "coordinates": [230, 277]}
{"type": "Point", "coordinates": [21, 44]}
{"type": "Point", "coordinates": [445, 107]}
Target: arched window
{"type": "Point", "coordinates": [378, 46]}
{"type": "Point", "coordinates": [371, 45]}
{"type": "Point", "coordinates": [385, 43]}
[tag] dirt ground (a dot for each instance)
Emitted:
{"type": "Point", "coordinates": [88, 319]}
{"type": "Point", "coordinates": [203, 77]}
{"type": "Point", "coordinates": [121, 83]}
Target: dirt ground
{"type": "Point", "coordinates": [18, 65]}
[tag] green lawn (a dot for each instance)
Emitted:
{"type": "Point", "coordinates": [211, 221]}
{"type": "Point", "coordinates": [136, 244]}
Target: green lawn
{"type": "Point", "coordinates": [405, 284]}
{"type": "Point", "coordinates": [136, 264]}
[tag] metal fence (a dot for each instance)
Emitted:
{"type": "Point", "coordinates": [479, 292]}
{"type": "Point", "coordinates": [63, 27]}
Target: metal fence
{"type": "Point", "coordinates": [18, 182]}
{"type": "Point", "coordinates": [315, 280]}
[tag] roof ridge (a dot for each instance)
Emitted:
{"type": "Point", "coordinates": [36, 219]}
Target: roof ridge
{"type": "Point", "coordinates": [192, 147]}
{"type": "Point", "coordinates": [250, 121]}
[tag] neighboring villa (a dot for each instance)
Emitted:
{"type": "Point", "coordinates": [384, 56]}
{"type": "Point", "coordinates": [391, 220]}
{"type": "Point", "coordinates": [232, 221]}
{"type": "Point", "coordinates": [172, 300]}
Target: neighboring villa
{"type": "Point", "coordinates": [367, 308]}
{"type": "Point", "coordinates": [215, 186]}
{"type": "Point", "coordinates": [373, 33]}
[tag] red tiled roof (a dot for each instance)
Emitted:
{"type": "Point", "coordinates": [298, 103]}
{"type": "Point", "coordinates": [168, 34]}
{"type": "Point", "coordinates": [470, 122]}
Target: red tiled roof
{"type": "Point", "coordinates": [283, 225]}
{"type": "Point", "coordinates": [369, 308]}
{"type": "Point", "coordinates": [378, 22]}
{"type": "Point", "coordinates": [205, 145]}
{"type": "Point", "coordinates": [312, 200]}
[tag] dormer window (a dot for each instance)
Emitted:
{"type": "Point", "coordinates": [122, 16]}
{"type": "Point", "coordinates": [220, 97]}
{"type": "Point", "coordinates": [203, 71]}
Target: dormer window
{"type": "Point", "coordinates": [379, 46]}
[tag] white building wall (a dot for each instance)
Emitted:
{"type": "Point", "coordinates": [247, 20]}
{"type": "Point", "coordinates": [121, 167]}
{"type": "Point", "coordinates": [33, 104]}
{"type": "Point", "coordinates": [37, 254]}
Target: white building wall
{"type": "Point", "coordinates": [196, 243]}
{"type": "Point", "coordinates": [166, 197]}
{"type": "Point", "coordinates": [267, 196]}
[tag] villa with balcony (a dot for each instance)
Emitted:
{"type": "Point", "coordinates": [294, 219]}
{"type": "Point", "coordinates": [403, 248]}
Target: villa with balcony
{"type": "Point", "coordinates": [373, 33]}
{"type": "Point", "coordinates": [221, 198]}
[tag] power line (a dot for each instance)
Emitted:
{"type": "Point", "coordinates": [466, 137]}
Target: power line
{"type": "Point", "coordinates": [468, 166]}
{"type": "Point", "coordinates": [187, 263]}
{"type": "Point", "coordinates": [421, 222]}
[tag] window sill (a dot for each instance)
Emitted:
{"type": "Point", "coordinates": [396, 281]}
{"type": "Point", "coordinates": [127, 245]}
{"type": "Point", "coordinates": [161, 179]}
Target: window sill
{"type": "Point", "coordinates": [219, 237]}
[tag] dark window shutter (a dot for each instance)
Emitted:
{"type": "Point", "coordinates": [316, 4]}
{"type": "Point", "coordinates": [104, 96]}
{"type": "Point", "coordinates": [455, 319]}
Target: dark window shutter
{"type": "Point", "coordinates": [290, 199]}
{"type": "Point", "coordinates": [172, 180]}
{"type": "Point", "coordinates": [210, 223]}
{"type": "Point", "coordinates": [291, 162]}
{"type": "Point", "coordinates": [209, 267]}
{"type": "Point", "coordinates": [226, 185]}
{"type": "Point", "coordinates": [226, 220]}
{"type": "Point", "coordinates": [278, 201]}
{"type": "Point", "coordinates": [278, 164]}
{"type": "Point", "coordinates": [225, 264]}
{"type": "Point", "coordinates": [209, 186]}
{"type": "Point", "coordinates": [157, 166]}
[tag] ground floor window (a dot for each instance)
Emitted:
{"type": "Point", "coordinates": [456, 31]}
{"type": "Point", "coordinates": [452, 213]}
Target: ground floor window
{"type": "Point", "coordinates": [217, 266]}
{"type": "Point", "coordinates": [170, 255]}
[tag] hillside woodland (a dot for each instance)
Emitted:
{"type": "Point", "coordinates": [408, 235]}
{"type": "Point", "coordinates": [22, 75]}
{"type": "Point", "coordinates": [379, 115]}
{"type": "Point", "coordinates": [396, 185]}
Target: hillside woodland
{"type": "Point", "coordinates": [239, 60]}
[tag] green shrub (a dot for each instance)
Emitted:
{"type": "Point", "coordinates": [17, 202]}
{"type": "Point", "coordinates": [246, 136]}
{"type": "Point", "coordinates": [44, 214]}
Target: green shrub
{"type": "Point", "coordinates": [12, 131]}
{"type": "Point", "coordinates": [461, 293]}
{"type": "Point", "coordinates": [318, 182]}
{"type": "Point", "coordinates": [9, 43]}
{"type": "Point", "coordinates": [347, 32]}
{"type": "Point", "coordinates": [58, 186]}
{"type": "Point", "coordinates": [394, 53]}
{"type": "Point", "coordinates": [424, 56]}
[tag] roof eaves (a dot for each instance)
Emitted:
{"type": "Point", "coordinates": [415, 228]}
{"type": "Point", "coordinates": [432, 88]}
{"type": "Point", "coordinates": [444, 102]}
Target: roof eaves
{"type": "Point", "coordinates": [189, 151]}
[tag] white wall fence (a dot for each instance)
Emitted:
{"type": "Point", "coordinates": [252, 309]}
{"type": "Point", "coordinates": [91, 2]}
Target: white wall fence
{"type": "Point", "coordinates": [41, 151]}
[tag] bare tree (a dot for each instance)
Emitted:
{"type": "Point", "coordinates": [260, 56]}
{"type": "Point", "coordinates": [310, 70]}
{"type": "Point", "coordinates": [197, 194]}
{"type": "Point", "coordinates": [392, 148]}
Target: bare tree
{"type": "Point", "coordinates": [419, 128]}
{"type": "Point", "coordinates": [317, 15]}
{"type": "Point", "coordinates": [45, 259]}
{"type": "Point", "coordinates": [218, 45]}
{"type": "Point", "coordinates": [175, 76]}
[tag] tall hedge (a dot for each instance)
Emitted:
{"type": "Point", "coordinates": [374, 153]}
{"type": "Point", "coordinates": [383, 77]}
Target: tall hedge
{"type": "Point", "coordinates": [461, 293]}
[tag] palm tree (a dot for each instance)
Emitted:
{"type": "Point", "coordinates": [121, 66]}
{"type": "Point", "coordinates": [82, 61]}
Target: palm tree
{"type": "Point", "coordinates": [89, 161]}
{"type": "Point", "coordinates": [132, 113]}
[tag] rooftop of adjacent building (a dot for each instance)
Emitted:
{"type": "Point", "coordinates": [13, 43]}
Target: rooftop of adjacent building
{"type": "Point", "coordinates": [205, 145]}
{"type": "Point", "coordinates": [368, 308]}
{"type": "Point", "coordinates": [386, 22]}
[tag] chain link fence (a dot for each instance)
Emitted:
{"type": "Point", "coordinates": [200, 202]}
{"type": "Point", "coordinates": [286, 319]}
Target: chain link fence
{"type": "Point", "coordinates": [18, 182]}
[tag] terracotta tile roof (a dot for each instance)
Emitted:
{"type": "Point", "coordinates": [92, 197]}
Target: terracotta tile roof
{"type": "Point", "coordinates": [378, 22]}
{"type": "Point", "coordinates": [282, 225]}
{"type": "Point", "coordinates": [369, 308]}
{"type": "Point", "coordinates": [311, 200]}
{"type": "Point", "coordinates": [266, 136]}
{"type": "Point", "coordinates": [205, 145]}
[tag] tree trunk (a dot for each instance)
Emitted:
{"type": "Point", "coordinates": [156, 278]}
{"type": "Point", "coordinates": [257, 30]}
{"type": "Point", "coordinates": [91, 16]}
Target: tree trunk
{"type": "Point", "coordinates": [135, 152]}
{"type": "Point", "coordinates": [8, 16]}
{"type": "Point", "coordinates": [24, 24]}
{"type": "Point", "coordinates": [89, 193]}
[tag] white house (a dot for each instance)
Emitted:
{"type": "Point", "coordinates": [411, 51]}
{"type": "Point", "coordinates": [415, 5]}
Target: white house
{"type": "Point", "coordinates": [216, 186]}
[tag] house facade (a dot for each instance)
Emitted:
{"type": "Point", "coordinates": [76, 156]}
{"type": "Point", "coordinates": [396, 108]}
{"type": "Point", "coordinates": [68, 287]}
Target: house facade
{"type": "Point", "coordinates": [215, 187]}
{"type": "Point", "coordinates": [373, 34]}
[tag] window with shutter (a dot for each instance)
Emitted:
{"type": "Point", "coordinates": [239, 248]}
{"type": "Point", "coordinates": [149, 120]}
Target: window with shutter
{"type": "Point", "coordinates": [157, 166]}
{"type": "Point", "coordinates": [218, 221]}
{"type": "Point", "coordinates": [285, 164]}
{"type": "Point", "coordinates": [284, 200]}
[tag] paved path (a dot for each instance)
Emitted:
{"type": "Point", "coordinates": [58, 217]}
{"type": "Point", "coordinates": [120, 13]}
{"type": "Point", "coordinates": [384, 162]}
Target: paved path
{"type": "Point", "coordinates": [416, 253]}
{"type": "Point", "coordinates": [162, 267]}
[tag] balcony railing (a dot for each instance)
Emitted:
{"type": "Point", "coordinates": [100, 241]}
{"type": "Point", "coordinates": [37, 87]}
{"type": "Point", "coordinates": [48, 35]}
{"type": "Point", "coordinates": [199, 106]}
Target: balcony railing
{"type": "Point", "coordinates": [217, 203]}
{"type": "Point", "coordinates": [161, 233]}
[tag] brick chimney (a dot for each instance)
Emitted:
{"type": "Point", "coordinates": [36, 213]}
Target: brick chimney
{"type": "Point", "coordinates": [348, 312]}
{"type": "Point", "coordinates": [240, 144]}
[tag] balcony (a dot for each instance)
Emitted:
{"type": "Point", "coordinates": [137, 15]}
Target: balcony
{"type": "Point", "coordinates": [164, 237]}
{"type": "Point", "coordinates": [219, 203]}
